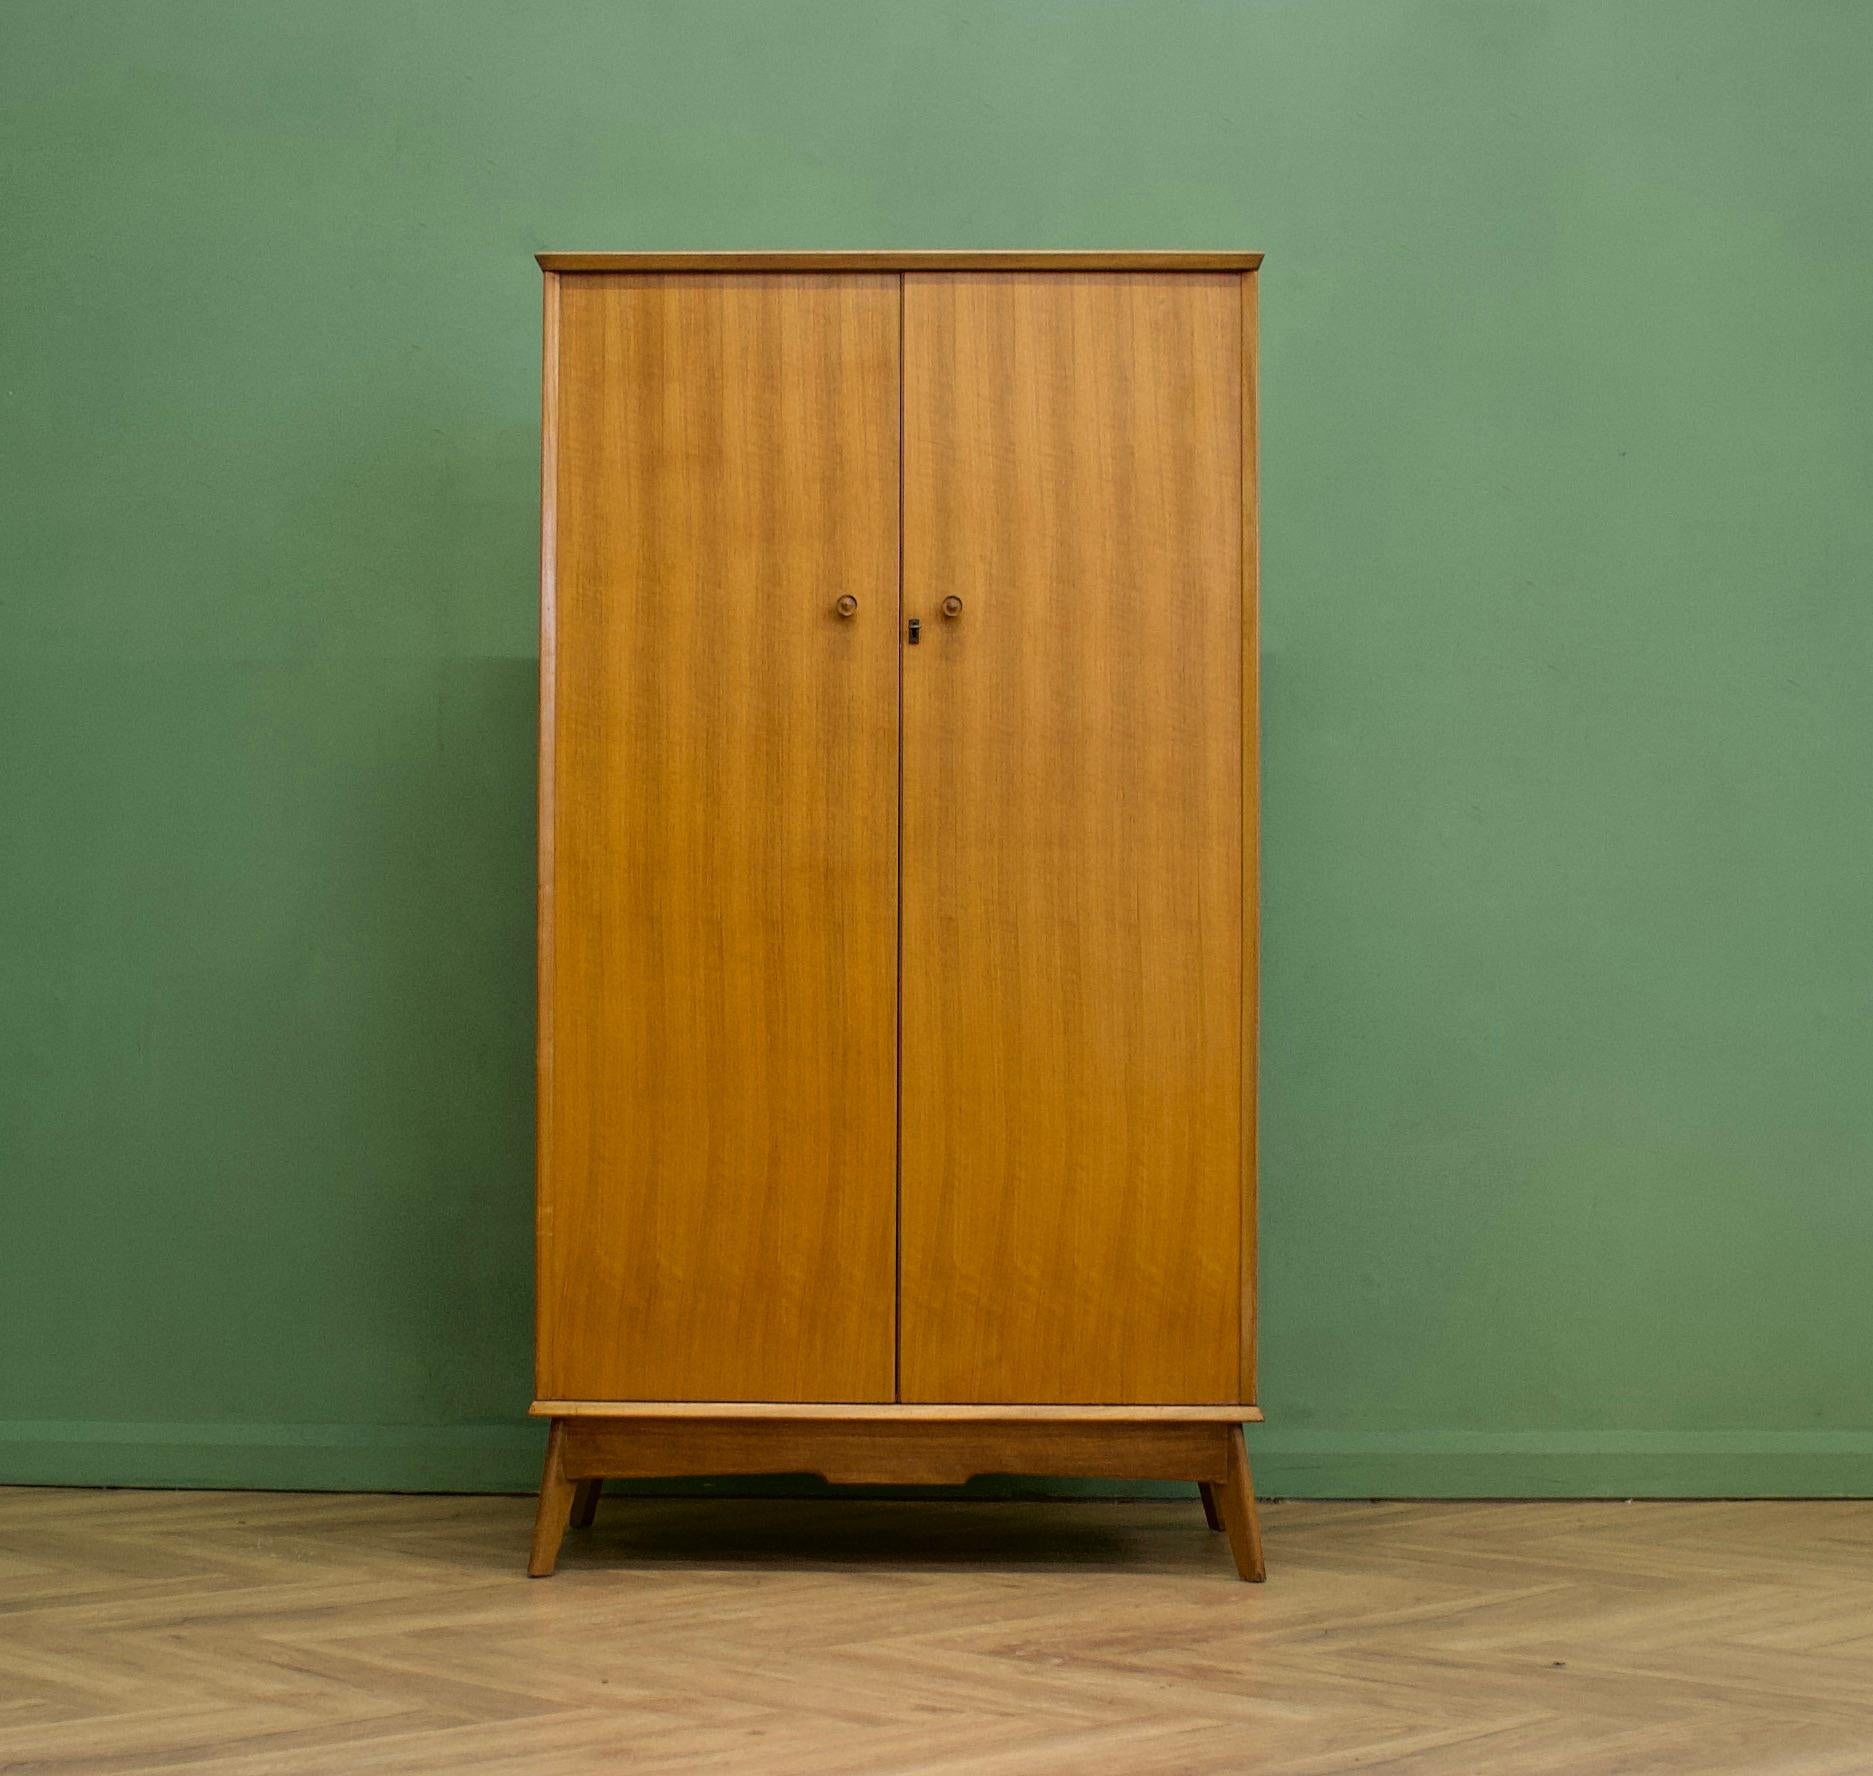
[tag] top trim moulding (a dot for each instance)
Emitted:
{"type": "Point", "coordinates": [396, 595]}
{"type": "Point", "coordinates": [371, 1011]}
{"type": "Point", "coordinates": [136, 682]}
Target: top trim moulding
{"type": "Point", "coordinates": [988, 261]}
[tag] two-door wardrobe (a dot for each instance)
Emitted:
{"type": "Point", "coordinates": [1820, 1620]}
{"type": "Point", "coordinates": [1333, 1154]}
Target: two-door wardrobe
{"type": "Point", "coordinates": [898, 871]}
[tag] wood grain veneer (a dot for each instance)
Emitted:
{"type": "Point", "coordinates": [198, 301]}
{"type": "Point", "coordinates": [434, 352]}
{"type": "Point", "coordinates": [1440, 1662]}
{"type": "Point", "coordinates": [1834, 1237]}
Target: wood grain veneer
{"type": "Point", "coordinates": [1072, 1013]}
{"type": "Point", "coordinates": [719, 840]}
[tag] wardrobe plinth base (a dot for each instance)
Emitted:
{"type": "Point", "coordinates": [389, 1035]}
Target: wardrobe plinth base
{"type": "Point", "coordinates": [583, 1452]}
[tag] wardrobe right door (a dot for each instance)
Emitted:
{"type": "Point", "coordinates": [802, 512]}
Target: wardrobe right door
{"type": "Point", "coordinates": [1072, 848]}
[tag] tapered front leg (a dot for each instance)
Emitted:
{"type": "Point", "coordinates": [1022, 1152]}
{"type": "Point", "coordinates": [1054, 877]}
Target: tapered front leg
{"type": "Point", "coordinates": [1235, 1500]}
{"type": "Point", "coordinates": [549, 1526]}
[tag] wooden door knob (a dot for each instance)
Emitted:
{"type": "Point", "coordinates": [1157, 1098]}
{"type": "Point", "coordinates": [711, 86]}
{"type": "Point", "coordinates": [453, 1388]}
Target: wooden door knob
{"type": "Point", "coordinates": [847, 605]}
{"type": "Point", "coordinates": [952, 606]}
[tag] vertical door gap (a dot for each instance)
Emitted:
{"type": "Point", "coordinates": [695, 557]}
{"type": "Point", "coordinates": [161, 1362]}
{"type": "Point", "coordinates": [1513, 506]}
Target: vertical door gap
{"type": "Point", "coordinates": [897, 1217]}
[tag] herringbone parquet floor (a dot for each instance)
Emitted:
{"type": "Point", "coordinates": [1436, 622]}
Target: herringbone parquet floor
{"type": "Point", "coordinates": [284, 1634]}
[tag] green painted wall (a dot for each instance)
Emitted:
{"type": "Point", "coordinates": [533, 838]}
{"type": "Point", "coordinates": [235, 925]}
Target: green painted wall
{"type": "Point", "coordinates": [1569, 685]}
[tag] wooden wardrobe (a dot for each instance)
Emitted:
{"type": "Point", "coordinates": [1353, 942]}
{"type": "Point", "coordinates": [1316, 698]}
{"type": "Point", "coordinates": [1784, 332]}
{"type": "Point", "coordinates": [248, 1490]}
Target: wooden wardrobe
{"type": "Point", "coordinates": [898, 871]}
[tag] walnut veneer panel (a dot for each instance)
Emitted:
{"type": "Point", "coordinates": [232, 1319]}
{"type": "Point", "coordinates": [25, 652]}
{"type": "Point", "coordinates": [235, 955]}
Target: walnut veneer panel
{"type": "Point", "coordinates": [719, 839]}
{"type": "Point", "coordinates": [1073, 887]}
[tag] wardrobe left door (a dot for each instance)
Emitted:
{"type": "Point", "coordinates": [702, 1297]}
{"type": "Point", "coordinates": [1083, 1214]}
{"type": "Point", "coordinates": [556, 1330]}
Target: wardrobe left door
{"type": "Point", "coordinates": [718, 945]}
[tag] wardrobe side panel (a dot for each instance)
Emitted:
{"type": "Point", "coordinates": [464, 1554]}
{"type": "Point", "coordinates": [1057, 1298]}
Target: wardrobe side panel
{"type": "Point", "coordinates": [1251, 829]}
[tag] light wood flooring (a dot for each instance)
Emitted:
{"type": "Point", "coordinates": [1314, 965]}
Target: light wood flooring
{"type": "Point", "coordinates": [289, 1633]}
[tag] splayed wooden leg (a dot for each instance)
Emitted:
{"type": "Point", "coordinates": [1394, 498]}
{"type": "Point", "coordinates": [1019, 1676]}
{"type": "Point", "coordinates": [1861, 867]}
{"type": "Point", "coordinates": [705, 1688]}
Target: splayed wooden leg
{"type": "Point", "coordinates": [585, 1502]}
{"type": "Point", "coordinates": [549, 1525]}
{"type": "Point", "coordinates": [1208, 1492]}
{"type": "Point", "coordinates": [1235, 1501]}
